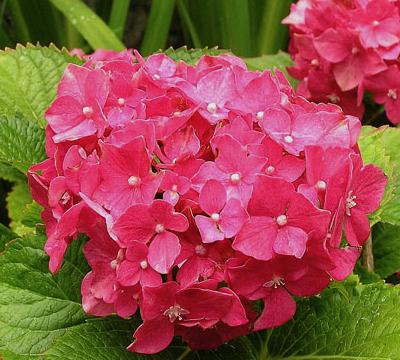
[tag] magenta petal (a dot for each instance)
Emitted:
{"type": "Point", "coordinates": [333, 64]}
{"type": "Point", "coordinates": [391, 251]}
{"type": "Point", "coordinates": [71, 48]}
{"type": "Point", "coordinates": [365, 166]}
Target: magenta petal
{"type": "Point", "coordinates": [233, 216]}
{"type": "Point", "coordinates": [152, 336]}
{"type": "Point", "coordinates": [291, 241]}
{"type": "Point", "coordinates": [128, 273]}
{"type": "Point", "coordinates": [126, 305]}
{"type": "Point", "coordinates": [256, 238]}
{"type": "Point", "coordinates": [212, 197]}
{"type": "Point", "coordinates": [279, 307]}
{"type": "Point", "coordinates": [356, 227]}
{"type": "Point", "coordinates": [344, 260]}
{"type": "Point", "coordinates": [163, 251]}
{"type": "Point", "coordinates": [209, 230]}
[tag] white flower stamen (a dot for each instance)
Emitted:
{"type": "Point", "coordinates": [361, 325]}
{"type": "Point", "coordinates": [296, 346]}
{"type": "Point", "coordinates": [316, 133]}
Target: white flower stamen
{"type": "Point", "coordinates": [288, 139]}
{"type": "Point", "coordinates": [133, 180]}
{"type": "Point", "coordinates": [175, 312]}
{"type": "Point", "coordinates": [212, 108]}
{"type": "Point", "coordinates": [235, 178]}
{"type": "Point", "coordinates": [350, 203]}
{"type": "Point", "coordinates": [320, 185]}
{"type": "Point", "coordinates": [200, 250]}
{"type": "Point", "coordinates": [260, 115]}
{"type": "Point", "coordinates": [143, 264]}
{"type": "Point", "coordinates": [159, 228]}
{"type": "Point", "coordinates": [275, 282]}
{"type": "Point", "coordinates": [215, 217]}
{"type": "Point", "coordinates": [121, 101]}
{"type": "Point", "coordinates": [270, 169]}
{"type": "Point", "coordinates": [281, 220]}
{"type": "Point", "coordinates": [392, 93]}
{"type": "Point", "coordinates": [333, 98]}
{"type": "Point", "coordinates": [87, 110]}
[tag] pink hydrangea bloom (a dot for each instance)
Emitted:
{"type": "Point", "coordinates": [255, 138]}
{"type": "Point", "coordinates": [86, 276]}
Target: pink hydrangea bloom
{"type": "Point", "coordinates": [340, 49]}
{"type": "Point", "coordinates": [203, 189]}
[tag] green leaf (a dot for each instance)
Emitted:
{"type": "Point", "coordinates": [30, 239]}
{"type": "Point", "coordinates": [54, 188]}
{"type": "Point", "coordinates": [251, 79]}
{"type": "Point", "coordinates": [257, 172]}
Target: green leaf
{"type": "Point", "coordinates": [29, 77]}
{"type": "Point", "coordinates": [391, 211]}
{"type": "Point", "coordinates": [41, 314]}
{"type": "Point", "coordinates": [22, 210]}
{"type": "Point", "coordinates": [280, 61]}
{"type": "Point", "coordinates": [386, 247]}
{"type": "Point", "coordinates": [330, 327]}
{"type": "Point", "coordinates": [6, 235]}
{"type": "Point", "coordinates": [7, 172]}
{"type": "Point", "coordinates": [89, 25]}
{"type": "Point", "coordinates": [379, 146]}
{"type": "Point", "coordinates": [192, 56]}
{"type": "Point", "coordinates": [21, 142]}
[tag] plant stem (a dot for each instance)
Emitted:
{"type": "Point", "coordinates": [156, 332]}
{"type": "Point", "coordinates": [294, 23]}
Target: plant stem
{"type": "Point", "coordinates": [368, 255]}
{"type": "Point", "coordinates": [264, 355]}
{"type": "Point", "coordinates": [185, 353]}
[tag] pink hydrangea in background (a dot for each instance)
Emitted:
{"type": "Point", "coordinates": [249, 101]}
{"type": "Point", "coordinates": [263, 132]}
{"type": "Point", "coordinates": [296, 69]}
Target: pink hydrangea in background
{"type": "Point", "coordinates": [344, 48]}
{"type": "Point", "coordinates": [207, 189]}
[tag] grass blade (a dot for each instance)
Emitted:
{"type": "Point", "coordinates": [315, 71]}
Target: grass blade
{"type": "Point", "coordinates": [20, 25]}
{"type": "Point", "coordinates": [273, 35]}
{"type": "Point", "coordinates": [236, 26]}
{"type": "Point", "coordinates": [157, 29]}
{"type": "Point", "coordinates": [90, 26]}
{"type": "Point", "coordinates": [119, 13]}
{"type": "Point", "coordinates": [188, 24]}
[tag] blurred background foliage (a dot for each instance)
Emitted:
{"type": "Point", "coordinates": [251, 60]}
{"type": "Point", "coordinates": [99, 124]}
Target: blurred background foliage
{"type": "Point", "coordinates": [248, 27]}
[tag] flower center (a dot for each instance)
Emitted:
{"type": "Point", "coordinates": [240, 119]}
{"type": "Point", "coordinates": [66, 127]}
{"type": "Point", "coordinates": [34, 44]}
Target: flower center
{"type": "Point", "coordinates": [143, 264]}
{"type": "Point", "coordinates": [215, 217]}
{"type": "Point", "coordinates": [260, 115]}
{"type": "Point", "coordinates": [275, 282]}
{"type": "Point", "coordinates": [320, 185]}
{"type": "Point", "coordinates": [65, 198]}
{"type": "Point", "coordinates": [174, 188]}
{"type": "Point", "coordinates": [350, 203]}
{"type": "Point", "coordinates": [288, 139]}
{"type": "Point", "coordinates": [200, 250]}
{"type": "Point", "coordinates": [375, 23]}
{"type": "Point", "coordinates": [121, 101]}
{"type": "Point", "coordinates": [87, 110]}
{"type": "Point", "coordinates": [270, 169]}
{"type": "Point", "coordinates": [235, 178]}
{"type": "Point", "coordinates": [212, 108]}
{"type": "Point", "coordinates": [314, 62]}
{"type": "Point", "coordinates": [392, 93]}
{"type": "Point", "coordinates": [355, 50]}
{"type": "Point", "coordinates": [281, 220]}
{"type": "Point", "coordinates": [159, 228]}
{"type": "Point", "coordinates": [333, 98]}
{"type": "Point", "coordinates": [175, 312]}
{"type": "Point", "coordinates": [133, 180]}
{"type": "Point", "coordinates": [156, 77]}
{"type": "Point", "coordinates": [114, 264]}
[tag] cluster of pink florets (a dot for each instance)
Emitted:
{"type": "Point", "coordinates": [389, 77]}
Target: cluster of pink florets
{"type": "Point", "coordinates": [204, 190]}
{"type": "Point", "coordinates": [342, 48]}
